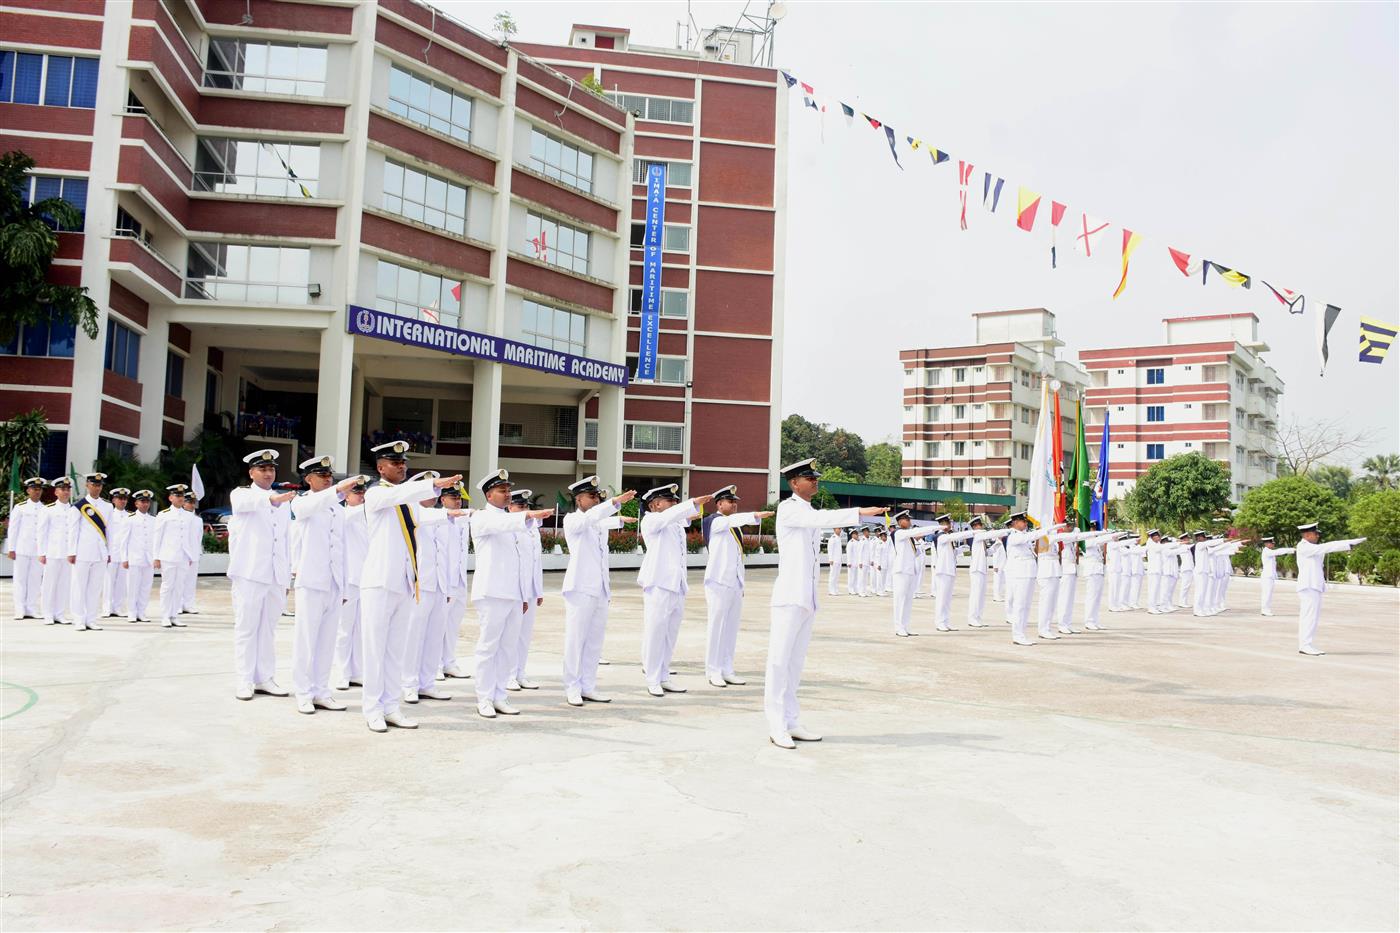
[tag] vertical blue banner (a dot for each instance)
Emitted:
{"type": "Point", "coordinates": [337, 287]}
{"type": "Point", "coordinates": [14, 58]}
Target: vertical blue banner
{"type": "Point", "coordinates": [651, 270]}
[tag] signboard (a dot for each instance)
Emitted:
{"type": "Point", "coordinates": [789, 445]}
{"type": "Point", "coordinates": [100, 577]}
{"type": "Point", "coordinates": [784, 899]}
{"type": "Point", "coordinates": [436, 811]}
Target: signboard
{"type": "Point", "coordinates": [651, 271]}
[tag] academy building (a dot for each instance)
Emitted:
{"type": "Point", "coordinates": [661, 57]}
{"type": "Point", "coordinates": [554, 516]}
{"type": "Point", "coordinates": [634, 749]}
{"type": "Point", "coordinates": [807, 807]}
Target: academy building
{"type": "Point", "coordinates": [342, 223]}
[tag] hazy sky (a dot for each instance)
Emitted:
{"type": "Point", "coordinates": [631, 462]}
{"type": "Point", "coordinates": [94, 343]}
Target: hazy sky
{"type": "Point", "coordinates": [1263, 136]}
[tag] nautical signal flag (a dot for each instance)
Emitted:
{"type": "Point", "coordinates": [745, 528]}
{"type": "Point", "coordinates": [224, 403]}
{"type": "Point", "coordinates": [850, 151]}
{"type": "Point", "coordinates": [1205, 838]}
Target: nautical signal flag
{"type": "Point", "coordinates": [1376, 338]}
{"type": "Point", "coordinates": [1232, 278]}
{"type": "Point", "coordinates": [1027, 203]}
{"type": "Point", "coordinates": [1324, 327]}
{"type": "Point", "coordinates": [991, 192]}
{"type": "Point", "coordinates": [848, 112]}
{"type": "Point", "coordinates": [1188, 266]}
{"type": "Point", "coordinates": [889, 136]}
{"type": "Point", "coordinates": [1086, 238]}
{"type": "Point", "coordinates": [1294, 302]}
{"type": "Point", "coordinates": [964, 175]}
{"type": "Point", "coordinates": [1057, 214]}
{"type": "Point", "coordinates": [1130, 243]}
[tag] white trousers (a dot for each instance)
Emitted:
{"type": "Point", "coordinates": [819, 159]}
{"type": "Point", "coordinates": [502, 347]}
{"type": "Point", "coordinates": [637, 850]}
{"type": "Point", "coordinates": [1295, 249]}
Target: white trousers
{"type": "Point", "coordinates": [1046, 589]}
{"type": "Point", "coordinates": [1309, 615]}
{"type": "Point", "coordinates": [499, 620]}
{"type": "Point", "coordinates": [55, 587]}
{"type": "Point", "coordinates": [1093, 595]}
{"type": "Point", "coordinates": [1166, 592]}
{"type": "Point", "coordinates": [139, 578]}
{"type": "Point", "coordinates": [998, 585]}
{"type": "Point", "coordinates": [833, 576]}
{"type": "Point", "coordinates": [1153, 583]}
{"type": "Point", "coordinates": [422, 645]}
{"type": "Point", "coordinates": [790, 631]}
{"type": "Point", "coordinates": [1064, 601]}
{"type": "Point", "coordinates": [1266, 594]}
{"type": "Point", "coordinates": [976, 596]}
{"type": "Point", "coordinates": [852, 571]}
{"type": "Point", "coordinates": [884, 575]}
{"type": "Point", "coordinates": [187, 600]}
{"type": "Point", "coordinates": [29, 585]}
{"type": "Point", "coordinates": [1018, 600]}
{"type": "Point", "coordinates": [1135, 593]}
{"type": "Point", "coordinates": [520, 650]}
{"type": "Point", "coordinates": [349, 655]}
{"type": "Point", "coordinates": [942, 587]}
{"type": "Point", "coordinates": [114, 589]}
{"type": "Point", "coordinates": [722, 606]}
{"type": "Point", "coordinates": [452, 629]}
{"type": "Point", "coordinates": [1217, 593]}
{"type": "Point", "coordinates": [172, 589]}
{"type": "Point", "coordinates": [256, 607]}
{"type": "Point", "coordinates": [384, 618]}
{"type": "Point", "coordinates": [1200, 603]}
{"type": "Point", "coordinates": [85, 601]}
{"type": "Point", "coordinates": [905, 585]}
{"type": "Point", "coordinates": [313, 641]}
{"type": "Point", "coordinates": [1184, 597]}
{"type": "Point", "coordinates": [661, 626]}
{"type": "Point", "coordinates": [585, 623]}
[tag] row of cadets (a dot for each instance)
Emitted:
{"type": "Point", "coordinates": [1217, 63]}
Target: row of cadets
{"type": "Point", "coordinates": [348, 653]}
{"type": "Point", "coordinates": [114, 587]}
{"type": "Point", "coordinates": [499, 591]}
{"type": "Point", "coordinates": [178, 543]}
{"type": "Point", "coordinates": [587, 588]}
{"type": "Point", "coordinates": [908, 567]}
{"type": "Point", "coordinates": [259, 572]}
{"type": "Point", "coordinates": [945, 569]}
{"type": "Point", "coordinates": [1125, 559]}
{"type": "Point", "coordinates": [531, 552]}
{"type": "Point", "coordinates": [724, 585]}
{"type": "Point", "coordinates": [422, 654]}
{"type": "Point", "coordinates": [861, 564]}
{"type": "Point", "coordinates": [986, 543]}
{"type": "Point", "coordinates": [662, 578]}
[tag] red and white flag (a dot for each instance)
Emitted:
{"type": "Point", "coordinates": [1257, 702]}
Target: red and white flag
{"type": "Point", "coordinates": [1183, 261]}
{"type": "Point", "coordinates": [964, 175]}
{"type": "Point", "coordinates": [1087, 234]}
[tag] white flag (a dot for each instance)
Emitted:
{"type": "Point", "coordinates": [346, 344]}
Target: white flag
{"type": "Point", "coordinates": [1089, 234]}
{"type": "Point", "coordinates": [1040, 494]}
{"type": "Point", "coordinates": [197, 484]}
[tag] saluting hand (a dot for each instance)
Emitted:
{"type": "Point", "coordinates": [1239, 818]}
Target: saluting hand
{"type": "Point", "coordinates": [349, 483]}
{"type": "Point", "coordinates": [628, 519]}
{"type": "Point", "coordinates": [625, 498]}
{"type": "Point", "coordinates": [873, 510]}
{"type": "Point", "coordinates": [458, 513]}
{"type": "Point", "coordinates": [281, 497]}
{"type": "Point", "coordinates": [442, 482]}
{"type": "Point", "coordinates": [538, 514]}
{"type": "Point", "coordinates": [764, 514]}
{"type": "Point", "coordinates": [701, 500]}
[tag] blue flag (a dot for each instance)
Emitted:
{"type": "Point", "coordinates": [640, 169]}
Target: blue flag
{"type": "Point", "coordinates": [1098, 509]}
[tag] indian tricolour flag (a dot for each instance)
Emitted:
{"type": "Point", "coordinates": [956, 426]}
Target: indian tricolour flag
{"type": "Point", "coordinates": [1040, 498]}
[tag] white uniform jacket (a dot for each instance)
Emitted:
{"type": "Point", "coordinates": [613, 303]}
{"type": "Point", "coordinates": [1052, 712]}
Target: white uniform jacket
{"type": "Point", "coordinates": [23, 534]}
{"type": "Point", "coordinates": [1268, 559]}
{"type": "Point", "coordinates": [497, 557]}
{"type": "Point", "coordinates": [981, 542]}
{"type": "Point", "coordinates": [261, 552]}
{"type": "Point", "coordinates": [908, 555]}
{"type": "Point", "coordinates": [587, 536]}
{"type": "Point", "coordinates": [531, 551]}
{"type": "Point", "coordinates": [90, 529]}
{"type": "Point", "coordinates": [799, 549]}
{"type": "Point", "coordinates": [833, 548]}
{"type": "Point", "coordinates": [1310, 559]}
{"type": "Point", "coordinates": [725, 564]}
{"type": "Point", "coordinates": [320, 563]}
{"type": "Point", "coordinates": [391, 516]}
{"type": "Point", "coordinates": [664, 534]}
{"type": "Point", "coordinates": [53, 531]}
{"type": "Point", "coordinates": [172, 538]}
{"type": "Point", "coordinates": [1020, 553]}
{"type": "Point", "coordinates": [946, 559]}
{"type": "Point", "coordinates": [356, 528]}
{"type": "Point", "coordinates": [138, 542]}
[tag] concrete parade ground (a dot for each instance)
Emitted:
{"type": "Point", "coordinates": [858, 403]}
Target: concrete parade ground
{"type": "Point", "coordinates": [1170, 773]}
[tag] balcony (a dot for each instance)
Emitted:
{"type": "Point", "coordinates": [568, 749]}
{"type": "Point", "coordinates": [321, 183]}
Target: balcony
{"type": "Point", "coordinates": [1254, 404]}
{"type": "Point", "coordinates": [139, 268]}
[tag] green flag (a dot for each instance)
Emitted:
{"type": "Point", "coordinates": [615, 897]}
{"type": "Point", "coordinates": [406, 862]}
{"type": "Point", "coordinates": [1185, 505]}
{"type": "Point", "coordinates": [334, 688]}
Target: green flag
{"type": "Point", "coordinates": [560, 502]}
{"type": "Point", "coordinates": [1083, 493]}
{"type": "Point", "coordinates": [15, 487]}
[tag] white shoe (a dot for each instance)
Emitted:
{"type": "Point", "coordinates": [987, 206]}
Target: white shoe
{"type": "Point", "coordinates": [453, 670]}
{"type": "Point", "coordinates": [526, 683]}
{"type": "Point", "coordinates": [376, 724]}
{"type": "Point", "coordinates": [717, 681]}
{"type": "Point", "coordinates": [399, 720]}
{"type": "Point", "coordinates": [604, 661]}
{"type": "Point", "coordinates": [190, 612]}
{"type": "Point", "coordinates": [1094, 628]}
{"type": "Point", "coordinates": [1311, 652]}
{"type": "Point", "coordinates": [486, 710]}
{"type": "Point", "coordinates": [433, 693]}
{"type": "Point", "coordinates": [1025, 644]}
{"type": "Point", "coordinates": [505, 709]}
{"type": "Point", "coordinates": [329, 703]}
{"type": "Point", "coordinates": [243, 692]}
{"type": "Point", "coordinates": [178, 624]}
{"type": "Point", "coordinates": [655, 690]}
{"type": "Point", "coordinates": [342, 684]}
{"type": "Point", "coordinates": [977, 625]}
{"type": "Point", "coordinates": [132, 619]}
{"type": "Point", "coordinates": [1154, 612]}
{"type": "Point", "coordinates": [945, 628]}
{"type": "Point", "coordinates": [670, 687]}
{"type": "Point", "coordinates": [1049, 636]}
{"type": "Point", "coordinates": [514, 685]}
{"type": "Point", "coordinates": [802, 735]}
{"type": "Point", "coordinates": [782, 740]}
{"type": "Point", "coordinates": [167, 624]}
{"type": "Point", "coordinates": [593, 696]}
{"type": "Point", "coordinates": [1065, 630]}
{"type": "Point", "coordinates": [1266, 613]}
{"type": "Point", "coordinates": [270, 688]}
{"type": "Point", "coordinates": [734, 681]}
{"type": "Point", "coordinates": [304, 705]}
{"type": "Point", "coordinates": [573, 698]}
{"type": "Point", "coordinates": [410, 696]}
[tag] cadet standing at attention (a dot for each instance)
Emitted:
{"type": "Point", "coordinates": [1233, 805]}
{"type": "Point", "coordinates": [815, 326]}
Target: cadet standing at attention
{"type": "Point", "coordinates": [945, 570]}
{"type": "Point", "coordinates": [724, 585]}
{"type": "Point", "coordinates": [833, 556]}
{"type": "Point", "coordinates": [53, 533]}
{"type": "Point", "coordinates": [260, 570]}
{"type": "Point", "coordinates": [532, 582]}
{"type": "Point", "coordinates": [25, 546]}
{"type": "Point", "coordinates": [173, 558]}
{"type": "Point", "coordinates": [908, 567]}
{"type": "Point", "coordinates": [347, 640]}
{"type": "Point", "coordinates": [138, 554]}
{"type": "Point", "coordinates": [662, 578]}
{"type": "Point", "coordinates": [89, 533]}
{"type": "Point", "coordinates": [189, 604]}
{"type": "Point", "coordinates": [1020, 574]}
{"type": "Point", "coordinates": [586, 586]}
{"type": "Point", "coordinates": [1312, 582]}
{"type": "Point", "coordinates": [422, 655]}
{"type": "Point", "coordinates": [794, 601]}
{"type": "Point", "coordinates": [458, 534]}
{"type": "Point", "coordinates": [114, 588]}
{"type": "Point", "coordinates": [982, 541]}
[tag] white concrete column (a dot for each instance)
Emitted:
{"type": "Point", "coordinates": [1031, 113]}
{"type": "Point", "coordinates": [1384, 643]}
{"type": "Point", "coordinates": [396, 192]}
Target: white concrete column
{"type": "Point", "coordinates": [333, 382]}
{"type": "Point", "coordinates": [612, 400]}
{"type": "Point", "coordinates": [780, 216]}
{"type": "Point", "coordinates": [486, 419]}
{"type": "Point", "coordinates": [155, 346]}
{"type": "Point", "coordinates": [374, 420]}
{"type": "Point", "coordinates": [228, 384]}
{"type": "Point", "coordinates": [196, 372]}
{"type": "Point", "coordinates": [357, 418]}
{"type": "Point", "coordinates": [610, 411]}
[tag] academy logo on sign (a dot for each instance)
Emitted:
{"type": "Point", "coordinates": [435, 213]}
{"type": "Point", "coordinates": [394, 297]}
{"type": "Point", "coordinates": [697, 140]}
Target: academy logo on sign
{"type": "Point", "coordinates": [364, 321]}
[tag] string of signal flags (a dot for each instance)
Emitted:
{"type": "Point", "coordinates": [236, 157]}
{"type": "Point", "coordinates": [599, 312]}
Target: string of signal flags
{"type": "Point", "coordinates": [1092, 236]}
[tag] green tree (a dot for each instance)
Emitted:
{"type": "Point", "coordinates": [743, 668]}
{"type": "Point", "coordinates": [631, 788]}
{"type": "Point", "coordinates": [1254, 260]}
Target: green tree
{"type": "Point", "coordinates": [1279, 506]}
{"type": "Point", "coordinates": [503, 25]}
{"type": "Point", "coordinates": [833, 447]}
{"type": "Point", "coordinates": [957, 509]}
{"type": "Point", "coordinates": [1377, 519]}
{"type": "Point", "coordinates": [28, 242]}
{"type": "Point", "coordinates": [1383, 470]}
{"type": "Point", "coordinates": [1184, 490]}
{"type": "Point", "coordinates": [884, 464]}
{"type": "Point", "coordinates": [593, 85]}
{"type": "Point", "coordinates": [1335, 478]}
{"type": "Point", "coordinates": [1388, 568]}
{"type": "Point", "coordinates": [23, 437]}
{"type": "Point", "coordinates": [831, 474]}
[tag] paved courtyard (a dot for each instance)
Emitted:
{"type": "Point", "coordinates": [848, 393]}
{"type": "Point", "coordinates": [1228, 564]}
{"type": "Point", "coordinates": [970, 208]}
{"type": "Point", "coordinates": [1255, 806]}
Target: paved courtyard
{"type": "Point", "coordinates": [1169, 773]}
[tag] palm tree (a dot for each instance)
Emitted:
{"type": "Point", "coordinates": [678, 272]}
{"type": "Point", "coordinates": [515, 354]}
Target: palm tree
{"type": "Point", "coordinates": [21, 439]}
{"type": "Point", "coordinates": [1383, 470]}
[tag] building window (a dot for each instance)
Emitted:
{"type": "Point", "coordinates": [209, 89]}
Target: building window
{"type": "Point", "coordinates": [235, 272]}
{"type": "Point", "coordinates": [590, 434]}
{"type": "Point", "coordinates": [1156, 377]}
{"type": "Point", "coordinates": [554, 329]}
{"type": "Point", "coordinates": [268, 67]}
{"type": "Point", "coordinates": [130, 228]}
{"type": "Point", "coordinates": [1026, 415]}
{"type": "Point", "coordinates": [422, 296]}
{"type": "Point", "coordinates": [211, 392]}
{"type": "Point", "coordinates": [656, 109]}
{"type": "Point", "coordinates": [959, 484]}
{"type": "Point", "coordinates": [959, 412]}
{"type": "Point", "coordinates": [250, 166]}
{"type": "Point", "coordinates": [677, 173]}
{"type": "Point", "coordinates": [1156, 451]}
{"type": "Point", "coordinates": [667, 438]}
{"type": "Point", "coordinates": [53, 454]}
{"type": "Point", "coordinates": [959, 448]}
{"type": "Point", "coordinates": [675, 238]}
{"type": "Point", "coordinates": [933, 377]}
{"type": "Point", "coordinates": [670, 370]}
{"type": "Point", "coordinates": [933, 412]}
{"type": "Point", "coordinates": [1025, 377]}
{"type": "Point", "coordinates": [1156, 413]}
{"type": "Point", "coordinates": [960, 374]}
{"type": "Point", "coordinates": [425, 198]}
{"type": "Point", "coordinates": [673, 303]}
{"type": "Point", "coordinates": [561, 161]}
{"type": "Point", "coordinates": [36, 188]}
{"type": "Point", "coordinates": [174, 374]}
{"type": "Point", "coordinates": [932, 449]}
{"type": "Point", "coordinates": [123, 350]}
{"type": "Point", "coordinates": [124, 450]}
{"type": "Point", "coordinates": [49, 80]}
{"type": "Point", "coordinates": [556, 243]}
{"type": "Point", "coordinates": [46, 338]}
{"type": "Point", "coordinates": [430, 104]}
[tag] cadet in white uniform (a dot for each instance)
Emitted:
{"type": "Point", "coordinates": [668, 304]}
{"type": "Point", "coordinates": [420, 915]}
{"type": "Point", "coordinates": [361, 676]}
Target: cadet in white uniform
{"type": "Point", "coordinates": [189, 604]}
{"type": "Point", "coordinates": [586, 586]}
{"type": "Point", "coordinates": [982, 541]}
{"type": "Point", "coordinates": [1220, 568]}
{"type": "Point", "coordinates": [114, 587]}
{"type": "Point", "coordinates": [458, 532]}
{"type": "Point", "coordinates": [389, 582]}
{"type": "Point", "coordinates": [138, 555]}
{"type": "Point", "coordinates": [422, 653]}
{"type": "Point", "coordinates": [1268, 572]}
{"type": "Point", "coordinates": [794, 601]}
{"type": "Point", "coordinates": [89, 530]}
{"type": "Point", "coordinates": [259, 570]}
{"type": "Point", "coordinates": [853, 563]}
{"type": "Point", "coordinates": [997, 552]}
{"type": "Point", "coordinates": [1169, 555]}
{"type": "Point", "coordinates": [320, 582]}
{"type": "Point", "coordinates": [1153, 579]}
{"type": "Point", "coordinates": [348, 653]}
{"type": "Point", "coordinates": [1187, 560]}
{"type": "Point", "coordinates": [25, 546]}
{"type": "Point", "coordinates": [1091, 569]}
{"type": "Point", "coordinates": [532, 584]}
{"type": "Point", "coordinates": [1201, 556]}
{"type": "Point", "coordinates": [53, 533]}
{"type": "Point", "coordinates": [945, 570]}
{"type": "Point", "coordinates": [662, 578]}
{"type": "Point", "coordinates": [1312, 582]}
{"type": "Point", "coordinates": [909, 543]}
{"type": "Point", "coordinates": [498, 591]}
{"type": "Point", "coordinates": [724, 585]}
{"type": "Point", "coordinates": [172, 555]}
{"type": "Point", "coordinates": [1021, 571]}
{"type": "Point", "coordinates": [833, 556]}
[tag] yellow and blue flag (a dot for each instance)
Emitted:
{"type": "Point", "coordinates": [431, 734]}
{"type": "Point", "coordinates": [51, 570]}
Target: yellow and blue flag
{"type": "Point", "coordinates": [1376, 338]}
